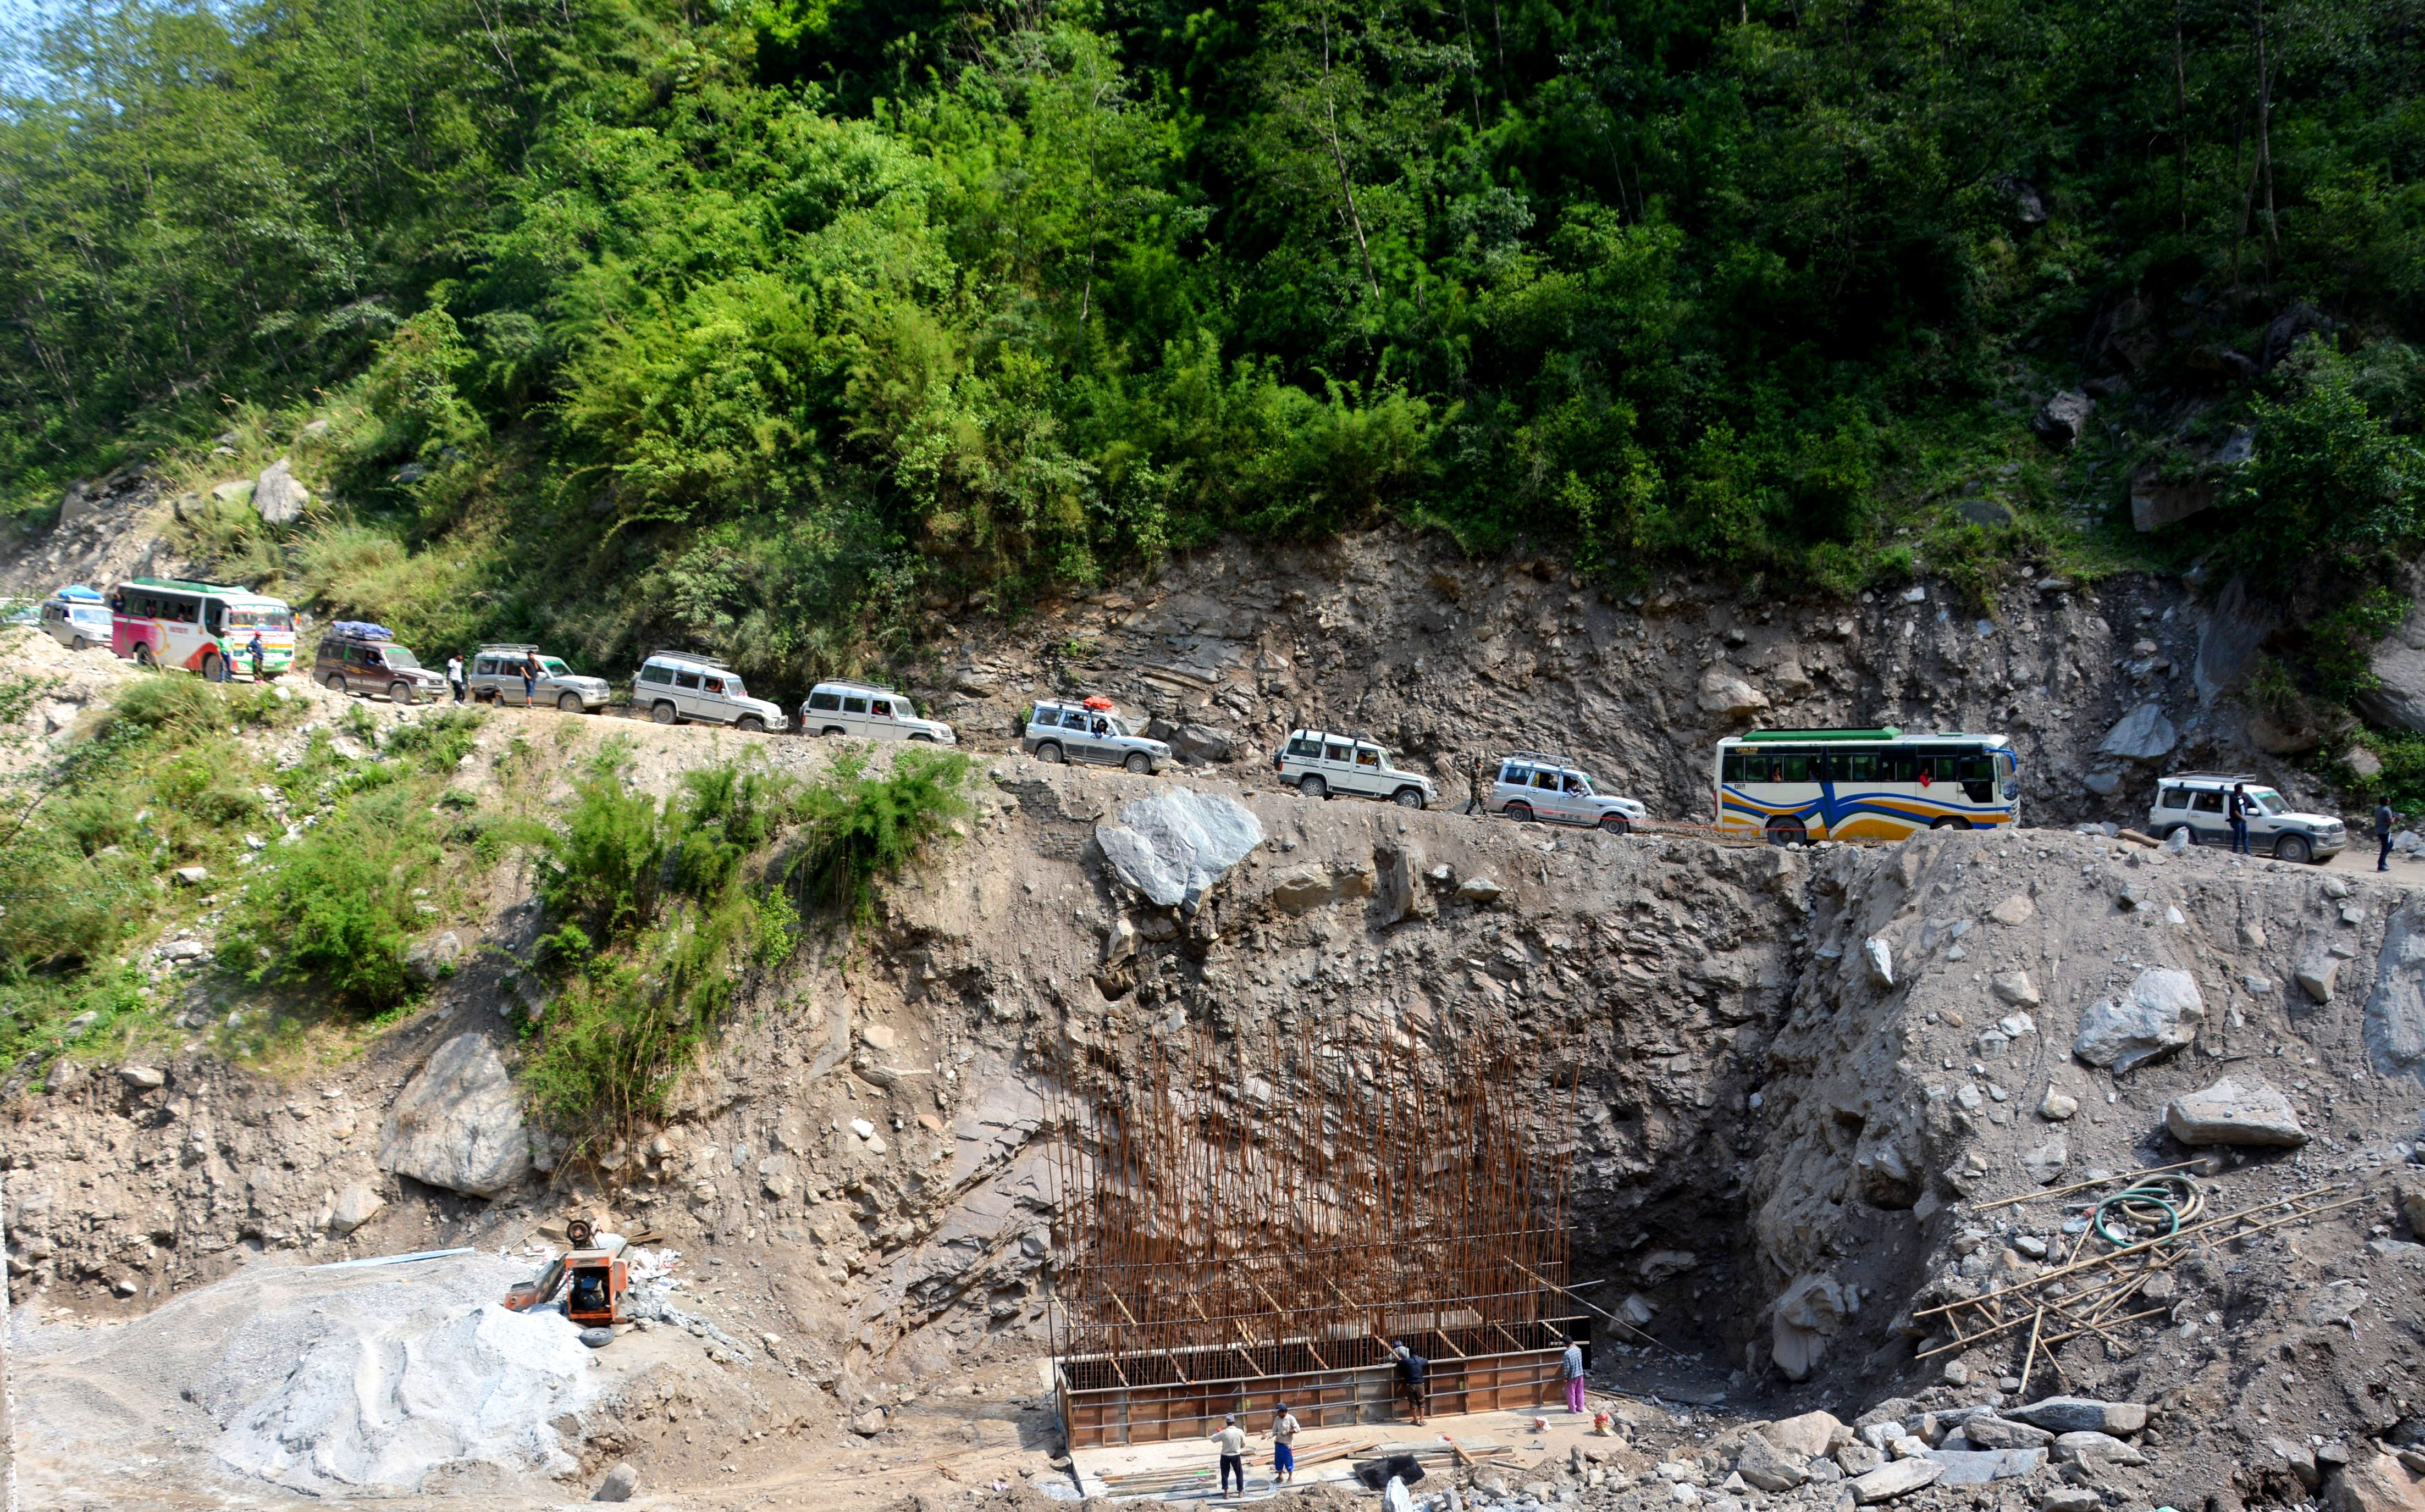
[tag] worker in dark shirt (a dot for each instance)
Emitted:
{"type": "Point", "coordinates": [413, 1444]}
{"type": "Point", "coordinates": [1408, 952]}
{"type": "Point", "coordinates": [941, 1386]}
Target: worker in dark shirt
{"type": "Point", "coordinates": [2383, 820]}
{"type": "Point", "coordinates": [1412, 1368]}
{"type": "Point", "coordinates": [2235, 808]}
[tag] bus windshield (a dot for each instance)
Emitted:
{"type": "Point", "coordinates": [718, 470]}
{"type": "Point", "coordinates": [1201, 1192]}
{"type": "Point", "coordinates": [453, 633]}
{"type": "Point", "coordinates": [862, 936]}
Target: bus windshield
{"type": "Point", "coordinates": [261, 617]}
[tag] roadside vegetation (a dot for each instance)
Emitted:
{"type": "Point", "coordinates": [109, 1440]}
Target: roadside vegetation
{"type": "Point", "coordinates": [665, 911]}
{"type": "Point", "coordinates": [161, 821]}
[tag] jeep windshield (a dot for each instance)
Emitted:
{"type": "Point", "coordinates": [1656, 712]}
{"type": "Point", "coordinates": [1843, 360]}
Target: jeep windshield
{"type": "Point", "coordinates": [2268, 802]}
{"type": "Point", "coordinates": [399, 658]}
{"type": "Point", "coordinates": [554, 668]}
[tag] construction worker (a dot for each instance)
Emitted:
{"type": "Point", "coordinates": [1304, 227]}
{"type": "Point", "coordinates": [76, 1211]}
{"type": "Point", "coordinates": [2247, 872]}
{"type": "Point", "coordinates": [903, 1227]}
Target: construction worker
{"type": "Point", "coordinates": [1570, 1367]}
{"type": "Point", "coordinates": [1232, 1440]}
{"type": "Point", "coordinates": [1412, 1368]}
{"type": "Point", "coordinates": [1284, 1428]}
{"type": "Point", "coordinates": [1473, 785]}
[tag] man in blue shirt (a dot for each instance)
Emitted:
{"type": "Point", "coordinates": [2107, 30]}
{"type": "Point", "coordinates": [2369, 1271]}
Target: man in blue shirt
{"type": "Point", "coordinates": [1412, 1367]}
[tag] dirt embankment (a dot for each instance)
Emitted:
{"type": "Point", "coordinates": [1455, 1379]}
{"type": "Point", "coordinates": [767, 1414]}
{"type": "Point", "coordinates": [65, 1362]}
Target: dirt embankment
{"type": "Point", "coordinates": [860, 1172]}
{"type": "Point", "coordinates": [1780, 1150]}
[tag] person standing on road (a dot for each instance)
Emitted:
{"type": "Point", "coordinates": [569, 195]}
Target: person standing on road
{"type": "Point", "coordinates": [455, 675]}
{"type": "Point", "coordinates": [2383, 820]}
{"type": "Point", "coordinates": [254, 650]}
{"type": "Point", "coordinates": [530, 678]}
{"type": "Point", "coordinates": [1412, 1367]}
{"type": "Point", "coordinates": [1232, 1440]}
{"type": "Point", "coordinates": [1284, 1426]}
{"type": "Point", "coordinates": [2237, 806]}
{"type": "Point", "coordinates": [1572, 1367]}
{"type": "Point", "coordinates": [1473, 785]}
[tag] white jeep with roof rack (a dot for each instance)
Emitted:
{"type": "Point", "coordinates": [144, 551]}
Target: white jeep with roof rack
{"type": "Point", "coordinates": [676, 686]}
{"type": "Point", "coordinates": [869, 713]}
{"type": "Point", "coordinates": [2200, 803]}
{"type": "Point", "coordinates": [1536, 784]}
{"type": "Point", "coordinates": [1318, 763]}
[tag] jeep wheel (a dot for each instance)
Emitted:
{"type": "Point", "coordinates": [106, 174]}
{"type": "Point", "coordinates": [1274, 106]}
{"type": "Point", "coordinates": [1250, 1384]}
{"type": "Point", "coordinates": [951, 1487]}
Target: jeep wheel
{"type": "Point", "coordinates": [399, 692]}
{"type": "Point", "coordinates": [1139, 763]}
{"type": "Point", "coordinates": [2293, 848]}
{"type": "Point", "coordinates": [335, 682]}
{"type": "Point", "coordinates": [1408, 798]}
{"type": "Point", "coordinates": [751, 725]}
{"type": "Point", "coordinates": [1795, 833]}
{"type": "Point", "coordinates": [924, 736]}
{"type": "Point", "coordinates": [214, 668]}
{"type": "Point", "coordinates": [570, 703]}
{"type": "Point", "coordinates": [833, 729]}
{"type": "Point", "coordinates": [1616, 823]}
{"type": "Point", "coordinates": [2182, 828]}
{"type": "Point", "coordinates": [1520, 813]}
{"type": "Point", "coordinates": [1050, 752]}
{"type": "Point", "coordinates": [1313, 786]}
{"type": "Point", "coordinates": [662, 711]}
{"type": "Point", "coordinates": [81, 645]}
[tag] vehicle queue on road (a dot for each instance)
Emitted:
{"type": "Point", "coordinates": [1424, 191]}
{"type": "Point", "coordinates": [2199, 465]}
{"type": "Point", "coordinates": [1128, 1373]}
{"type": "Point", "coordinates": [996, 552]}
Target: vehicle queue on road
{"type": "Point", "coordinates": [1787, 787]}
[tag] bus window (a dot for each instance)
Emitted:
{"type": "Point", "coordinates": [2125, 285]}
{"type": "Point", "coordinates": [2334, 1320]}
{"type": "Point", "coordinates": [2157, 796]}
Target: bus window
{"type": "Point", "coordinates": [1797, 769]}
{"type": "Point", "coordinates": [1862, 767]}
{"type": "Point", "coordinates": [1731, 767]}
{"type": "Point", "coordinates": [1977, 767]}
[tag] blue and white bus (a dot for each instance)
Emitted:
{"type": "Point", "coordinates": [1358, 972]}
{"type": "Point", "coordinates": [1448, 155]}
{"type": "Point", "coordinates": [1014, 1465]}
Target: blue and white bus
{"type": "Point", "coordinates": [1795, 785]}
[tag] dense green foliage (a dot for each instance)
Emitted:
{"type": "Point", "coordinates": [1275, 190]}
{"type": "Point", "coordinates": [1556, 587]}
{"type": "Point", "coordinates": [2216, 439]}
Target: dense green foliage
{"type": "Point", "coordinates": [168, 777]}
{"type": "Point", "coordinates": [777, 327]}
{"type": "Point", "coordinates": [663, 911]}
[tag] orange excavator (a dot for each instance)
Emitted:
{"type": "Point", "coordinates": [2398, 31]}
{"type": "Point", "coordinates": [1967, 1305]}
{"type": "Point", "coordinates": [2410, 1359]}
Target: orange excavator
{"type": "Point", "coordinates": [597, 1274]}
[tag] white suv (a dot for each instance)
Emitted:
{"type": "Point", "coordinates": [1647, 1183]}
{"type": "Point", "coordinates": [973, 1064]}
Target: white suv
{"type": "Point", "coordinates": [1535, 785]}
{"type": "Point", "coordinates": [1319, 763]}
{"type": "Point", "coordinates": [869, 713]}
{"type": "Point", "coordinates": [2199, 801]}
{"type": "Point", "coordinates": [1074, 732]}
{"type": "Point", "coordinates": [675, 686]}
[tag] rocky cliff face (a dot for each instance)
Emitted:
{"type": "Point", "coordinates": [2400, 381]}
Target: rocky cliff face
{"type": "Point", "coordinates": [1802, 1072]}
{"type": "Point", "coordinates": [1446, 660]}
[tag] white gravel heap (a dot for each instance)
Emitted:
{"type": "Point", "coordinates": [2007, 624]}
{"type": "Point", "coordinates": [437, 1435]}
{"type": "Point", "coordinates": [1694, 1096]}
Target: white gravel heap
{"type": "Point", "coordinates": [382, 1380]}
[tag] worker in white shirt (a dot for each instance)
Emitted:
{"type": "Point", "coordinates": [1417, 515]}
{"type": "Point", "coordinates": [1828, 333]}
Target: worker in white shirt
{"type": "Point", "coordinates": [1284, 1430]}
{"type": "Point", "coordinates": [1232, 1440]}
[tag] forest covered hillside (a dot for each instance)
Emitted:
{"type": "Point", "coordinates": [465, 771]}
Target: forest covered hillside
{"type": "Point", "coordinates": [799, 330]}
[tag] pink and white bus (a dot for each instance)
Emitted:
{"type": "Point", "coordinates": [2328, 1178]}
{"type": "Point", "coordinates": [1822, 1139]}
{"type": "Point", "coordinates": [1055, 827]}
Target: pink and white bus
{"type": "Point", "coordinates": [166, 622]}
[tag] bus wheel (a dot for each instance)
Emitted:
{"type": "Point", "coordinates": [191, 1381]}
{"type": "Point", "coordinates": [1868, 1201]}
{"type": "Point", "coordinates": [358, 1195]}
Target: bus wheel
{"type": "Point", "coordinates": [143, 655]}
{"type": "Point", "coordinates": [1788, 835]}
{"type": "Point", "coordinates": [1949, 822]}
{"type": "Point", "coordinates": [214, 669]}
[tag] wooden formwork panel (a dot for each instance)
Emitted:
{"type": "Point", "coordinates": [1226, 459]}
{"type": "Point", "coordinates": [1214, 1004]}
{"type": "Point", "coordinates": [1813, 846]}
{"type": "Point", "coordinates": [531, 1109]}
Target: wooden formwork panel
{"type": "Point", "coordinates": [1320, 1398]}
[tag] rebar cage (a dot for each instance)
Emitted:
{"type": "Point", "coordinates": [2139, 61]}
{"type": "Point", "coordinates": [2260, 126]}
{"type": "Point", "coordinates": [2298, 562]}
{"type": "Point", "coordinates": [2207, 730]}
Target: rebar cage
{"type": "Point", "coordinates": [1252, 1220]}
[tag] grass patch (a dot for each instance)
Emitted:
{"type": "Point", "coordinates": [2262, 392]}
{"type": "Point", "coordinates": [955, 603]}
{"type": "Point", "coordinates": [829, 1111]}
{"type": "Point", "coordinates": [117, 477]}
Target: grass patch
{"type": "Point", "coordinates": [663, 911]}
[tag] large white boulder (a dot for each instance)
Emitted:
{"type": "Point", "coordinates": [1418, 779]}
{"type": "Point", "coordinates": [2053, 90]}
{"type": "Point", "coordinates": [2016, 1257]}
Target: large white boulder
{"type": "Point", "coordinates": [459, 1122]}
{"type": "Point", "coordinates": [2160, 1013]}
{"type": "Point", "coordinates": [1174, 845]}
{"type": "Point", "coordinates": [277, 497]}
{"type": "Point", "coordinates": [2144, 733]}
